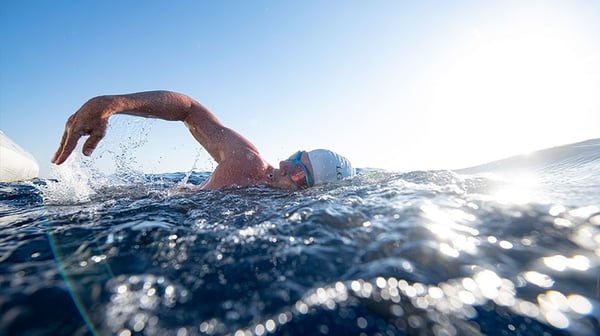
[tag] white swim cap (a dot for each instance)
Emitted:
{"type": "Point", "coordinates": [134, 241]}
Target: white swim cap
{"type": "Point", "coordinates": [328, 166]}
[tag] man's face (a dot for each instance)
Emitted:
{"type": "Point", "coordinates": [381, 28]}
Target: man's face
{"type": "Point", "coordinates": [297, 171]}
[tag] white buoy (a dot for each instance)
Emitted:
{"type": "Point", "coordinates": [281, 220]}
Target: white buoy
{"type": "Point", "coordinates": [16, 164]}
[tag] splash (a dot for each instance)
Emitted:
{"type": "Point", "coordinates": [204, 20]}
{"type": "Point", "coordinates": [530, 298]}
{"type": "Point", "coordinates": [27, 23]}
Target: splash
{"type": "Point", "coordinates": [80, 178]}
{"type": "Point", "coordinates": [72, 184]}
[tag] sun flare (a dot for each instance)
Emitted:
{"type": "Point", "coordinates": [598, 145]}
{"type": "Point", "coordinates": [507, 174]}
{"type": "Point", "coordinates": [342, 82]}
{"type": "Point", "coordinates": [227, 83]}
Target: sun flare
{"type": "Point", "coordinates": [509, 89]}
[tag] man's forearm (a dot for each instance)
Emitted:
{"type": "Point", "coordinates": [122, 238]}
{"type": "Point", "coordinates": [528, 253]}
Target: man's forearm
{"type": "Point", "coordinates": [153, 104]}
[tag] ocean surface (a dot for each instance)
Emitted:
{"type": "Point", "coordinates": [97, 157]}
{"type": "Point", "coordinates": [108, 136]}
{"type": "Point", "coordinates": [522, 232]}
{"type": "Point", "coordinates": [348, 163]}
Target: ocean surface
{"type": "Point", "coordinates": [507, 248]}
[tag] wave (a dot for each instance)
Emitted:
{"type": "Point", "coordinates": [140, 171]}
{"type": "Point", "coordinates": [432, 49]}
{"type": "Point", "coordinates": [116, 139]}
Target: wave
{"type": "Point", "coordinates": [564, 174]}
{"type": "Point", "coordinates": [556, 158]}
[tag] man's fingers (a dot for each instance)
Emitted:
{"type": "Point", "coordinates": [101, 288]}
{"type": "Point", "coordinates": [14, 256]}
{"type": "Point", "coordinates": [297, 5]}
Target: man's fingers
{"type": "Point", "coordinates": [67, 147]}
{"type": "Point", "coordinates": [60, 156]}
{"type": "Point", "coordinates": [60, 147]}
{"type": "Point", "coordinates": [91, 143]}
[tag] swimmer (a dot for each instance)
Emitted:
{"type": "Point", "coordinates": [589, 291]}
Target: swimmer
{"type": "Point", "coordinates": [238, 161]}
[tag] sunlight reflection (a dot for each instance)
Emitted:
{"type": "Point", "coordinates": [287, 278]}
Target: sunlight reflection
{"type": "Point", "coordinates": [552, 305]}
{"type": "Point", "coordinates": [561, 263]}
{"type": "Point", "coordinates": [488, 282]}
{"type": "Point", "coordinates": [448, 250]}
{"type": "Point", "coordinates": [434, 304]}
{"type": "Point", "coordinates": [557, 262]}
{"type": "Point", "coordinates": [521, 189]}
{"type": "Point", "coordinates": [539, 279]}
{"type": "Point", "coordinates": [579, 263]}
{"type": "Point", "coordinates": [579, 304]}
{"type": "Point", "coordinates": [449, 226]}
{"type": "Point", "coordinates": [556, 210]}
{"type": "Point", "coordinates": [528, 308]}
{"type": "Point", "coordinates": [584, 212]}
{"type": "Point", "coordinates": [557, 319]}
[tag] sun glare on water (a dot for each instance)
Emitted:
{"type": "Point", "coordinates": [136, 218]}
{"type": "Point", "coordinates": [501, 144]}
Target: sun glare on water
{"type": "Point", "coordinates": [519, 189]}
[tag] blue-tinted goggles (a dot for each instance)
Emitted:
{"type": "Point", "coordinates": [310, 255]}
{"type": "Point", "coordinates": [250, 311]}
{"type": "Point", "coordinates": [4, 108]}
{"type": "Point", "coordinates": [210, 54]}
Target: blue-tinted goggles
{"type": "Point", "coordinates": [299, 173]}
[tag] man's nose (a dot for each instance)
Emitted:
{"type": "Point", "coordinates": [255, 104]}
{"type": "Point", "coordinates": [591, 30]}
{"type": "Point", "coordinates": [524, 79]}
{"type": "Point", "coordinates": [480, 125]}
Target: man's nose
{"type": "Point", "coordinates": [284, 166]}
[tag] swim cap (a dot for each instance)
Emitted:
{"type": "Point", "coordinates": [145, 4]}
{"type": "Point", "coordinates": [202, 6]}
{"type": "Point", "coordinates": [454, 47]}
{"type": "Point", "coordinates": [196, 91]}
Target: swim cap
{"type": "Point", "coordinates": [328, 166]}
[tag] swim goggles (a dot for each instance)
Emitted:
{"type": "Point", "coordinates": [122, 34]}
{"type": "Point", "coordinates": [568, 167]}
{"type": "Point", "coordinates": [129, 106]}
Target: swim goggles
{"type": "Point", "coordinates": [299, 172]}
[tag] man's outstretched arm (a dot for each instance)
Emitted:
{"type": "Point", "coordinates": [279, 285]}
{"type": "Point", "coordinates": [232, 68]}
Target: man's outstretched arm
{"type": "Point", "coordinates": [92, 119]}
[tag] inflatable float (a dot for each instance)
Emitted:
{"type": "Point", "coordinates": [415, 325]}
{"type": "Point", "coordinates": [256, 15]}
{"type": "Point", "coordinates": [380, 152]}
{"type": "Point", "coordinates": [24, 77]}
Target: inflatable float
{"type": "Point", "coordinates": [15, 163]}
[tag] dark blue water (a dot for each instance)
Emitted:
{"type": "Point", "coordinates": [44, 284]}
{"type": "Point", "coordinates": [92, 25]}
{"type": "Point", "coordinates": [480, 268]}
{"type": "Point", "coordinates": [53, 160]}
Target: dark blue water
{"type": "Point", "coordinates": [509, 248]}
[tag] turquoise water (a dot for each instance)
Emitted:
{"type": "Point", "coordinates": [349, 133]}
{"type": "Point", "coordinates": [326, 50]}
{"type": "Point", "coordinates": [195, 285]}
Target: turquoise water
{"type": "Point", "coordinates": [512, 247]}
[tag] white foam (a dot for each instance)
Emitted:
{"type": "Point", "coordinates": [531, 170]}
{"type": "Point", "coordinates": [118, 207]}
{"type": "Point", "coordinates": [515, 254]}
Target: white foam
{"type": "Point", "coordinates": [72, 184]}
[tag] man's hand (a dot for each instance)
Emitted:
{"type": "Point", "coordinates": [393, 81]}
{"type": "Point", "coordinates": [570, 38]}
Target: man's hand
{"type": "Point", "coordinates": [91, 119]}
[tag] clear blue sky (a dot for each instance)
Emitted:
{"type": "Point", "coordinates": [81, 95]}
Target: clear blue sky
{"type": "Point", "coordinates": [398, 85]}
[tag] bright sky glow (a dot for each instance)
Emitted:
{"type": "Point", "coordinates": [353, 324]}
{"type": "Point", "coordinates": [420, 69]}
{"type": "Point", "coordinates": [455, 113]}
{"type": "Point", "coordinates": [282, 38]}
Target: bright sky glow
{"type": "Point", "coordinates": [390, 84]}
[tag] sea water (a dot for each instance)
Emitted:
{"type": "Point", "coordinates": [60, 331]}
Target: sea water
{"type": "Point", "coordinates": [509, 248]}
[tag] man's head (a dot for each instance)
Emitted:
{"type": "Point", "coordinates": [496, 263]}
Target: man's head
{"type": "Point", "coordinates": [319, 166]}
{"type": "Point", "coordinates": [328, 166]}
